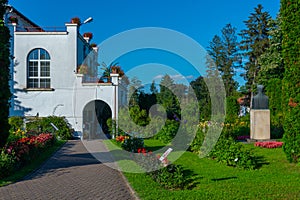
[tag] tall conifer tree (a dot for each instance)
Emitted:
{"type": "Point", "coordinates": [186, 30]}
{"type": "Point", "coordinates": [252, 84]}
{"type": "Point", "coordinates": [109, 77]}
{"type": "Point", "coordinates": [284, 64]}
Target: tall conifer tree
{"type": "Point", "coordinates": [4, 75]}
{"type": "Point", "coordinates": [224, 52]}
{"type": "Point", "coordinates": [255, 40]}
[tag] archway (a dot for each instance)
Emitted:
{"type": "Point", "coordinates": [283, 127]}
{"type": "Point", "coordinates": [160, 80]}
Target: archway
{"type": "Point", "coordinates": [95, 116]}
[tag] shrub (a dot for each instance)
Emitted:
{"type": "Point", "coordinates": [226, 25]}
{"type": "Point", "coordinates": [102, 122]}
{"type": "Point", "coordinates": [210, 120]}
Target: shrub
{"type": "Point", "coordinates": [197, 142]}
{"type": "Point", "coordinates": [236, 129]}
{"type": "Point", "coordinates": [234, 154]}
{"type": "Point", "coordinates": [129, 143]}
{"type": "Point", "coordinates": [16, 135]}
{"type": "Point", "coordinates": [43, 125]}
{"type": "Point", "coordinates": [16, 130]}
{"type": "Point", "coordinates": [7, 163]}
{"type": "Point", "coordinates": [168, 132]}
{"type": "Point", "coordinates": [16, 154]}
{"type": "Point", "coordinates": [170, 176]}
{"type": "Point", "coordinates": [239, 127]}
{"type": "Point", "coordinates": [15, 123]}
{"type": "Point", "coordinates": [112, 128]}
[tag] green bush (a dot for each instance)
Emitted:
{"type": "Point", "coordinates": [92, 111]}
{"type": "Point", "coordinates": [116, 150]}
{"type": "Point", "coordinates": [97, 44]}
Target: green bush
{"type": "Point", "coordinates": [170, 177]}
{"type": "Point", "coordinates": [112, 128]}
{"type": "Point", "coordinates": [7, 163]}
{"type": "Point", "coordinates": [197, 142]}
{"type": "Point", "coordinates": [132, 144]}
{"type": "Point", "coordinates": [239, 127]}
{"type": "Point", "coordinates": [234, 154]}
{"type": "Point", "coordinates": [43, 125]}
{"type": "Point", "coordinates": [16, 135]}
{"type": "Point", "coordinates": [16, 128]}
{"type": "Point", "coordinates": [168, 132]}
{"type": "Point", "coordinates": [15, 122]}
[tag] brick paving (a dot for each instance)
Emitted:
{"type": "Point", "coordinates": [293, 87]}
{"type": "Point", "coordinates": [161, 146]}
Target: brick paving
{"type": "Point", "coordinates": [71, 173]}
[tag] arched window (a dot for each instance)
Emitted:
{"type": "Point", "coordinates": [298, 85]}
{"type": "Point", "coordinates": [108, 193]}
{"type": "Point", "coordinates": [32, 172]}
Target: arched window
{"type": "Point", "coordinates": [38, 68]}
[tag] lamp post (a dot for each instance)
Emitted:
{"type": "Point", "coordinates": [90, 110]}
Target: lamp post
{"type": "Point", "coordinates": [115, 83]}
{"type": "Point", "coordinates": [88, 20]}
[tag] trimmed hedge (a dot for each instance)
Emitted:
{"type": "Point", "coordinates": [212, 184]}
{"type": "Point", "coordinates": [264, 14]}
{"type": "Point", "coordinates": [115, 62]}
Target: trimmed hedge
{"type": "Point", "coordinates": [290, 14]}
{"type": "Point", "coordinates": [275, 94]}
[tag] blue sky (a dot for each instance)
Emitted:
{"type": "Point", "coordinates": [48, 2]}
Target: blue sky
{"type": "Point", "coordinates": [198, 19]}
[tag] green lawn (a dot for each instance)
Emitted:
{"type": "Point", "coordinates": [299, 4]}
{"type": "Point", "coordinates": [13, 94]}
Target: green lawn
{"type": "Point", "coordinates": [275, 179]}
{"type": "Point", "coordinates": [33, 165]}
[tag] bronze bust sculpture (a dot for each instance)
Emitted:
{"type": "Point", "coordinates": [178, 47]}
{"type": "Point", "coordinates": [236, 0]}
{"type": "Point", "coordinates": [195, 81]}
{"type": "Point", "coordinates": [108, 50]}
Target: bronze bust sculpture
{"type": "Point", "coordinates": [260, 100]}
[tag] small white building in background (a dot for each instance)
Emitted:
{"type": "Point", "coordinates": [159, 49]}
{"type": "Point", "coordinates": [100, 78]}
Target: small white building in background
{"type": "Point", "coordinates": [45, 79]}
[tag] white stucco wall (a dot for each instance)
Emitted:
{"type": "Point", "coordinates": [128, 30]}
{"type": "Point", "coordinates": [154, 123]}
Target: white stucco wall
{"type": "Point", "coordinates": [69, 95]}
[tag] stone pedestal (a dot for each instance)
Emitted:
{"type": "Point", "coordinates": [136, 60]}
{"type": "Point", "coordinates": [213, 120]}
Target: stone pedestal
{"type": "Point", "coordinates": [260, 124]}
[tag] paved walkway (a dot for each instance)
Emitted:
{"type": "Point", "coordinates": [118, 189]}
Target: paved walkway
{"type": "Point", "coordinates": [71, 173]}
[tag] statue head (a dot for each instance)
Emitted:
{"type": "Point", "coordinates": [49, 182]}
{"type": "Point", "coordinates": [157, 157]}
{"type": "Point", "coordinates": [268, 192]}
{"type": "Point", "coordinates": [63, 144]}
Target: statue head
{"type": "Point", "coordinates": [260, 88]}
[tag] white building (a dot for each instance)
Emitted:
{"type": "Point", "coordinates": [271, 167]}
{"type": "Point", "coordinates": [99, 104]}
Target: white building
{"type": "Point", "coordinates": [45, 79]}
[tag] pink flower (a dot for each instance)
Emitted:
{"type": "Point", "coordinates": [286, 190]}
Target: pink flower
{"type": "Point", "coordinates": [269, 144]}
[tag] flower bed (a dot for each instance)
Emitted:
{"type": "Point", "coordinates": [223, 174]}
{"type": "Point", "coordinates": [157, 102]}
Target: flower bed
{"type": "Point", "coordinates": [16, 154]}
{"type": "Point", "coordinates": [129, 143]}
{"type": "Point", "coordinates": [169, 176]}
{"type": "Point", "coordinates": [269, 144]}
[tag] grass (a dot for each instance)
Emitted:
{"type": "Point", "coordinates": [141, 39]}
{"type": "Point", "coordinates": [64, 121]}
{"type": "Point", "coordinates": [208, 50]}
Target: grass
{"type": "Point", "coordinates": [35, 164]}
{"type": "Point", "coordinates": [275, 179]}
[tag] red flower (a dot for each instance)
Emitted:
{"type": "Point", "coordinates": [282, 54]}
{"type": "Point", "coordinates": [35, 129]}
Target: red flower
{"type": "Point", "coordinates": [142, 150]}
{"type": "Point", "coordinates": [269, 144]}
{"type": "Point", "coordinates": [292, 103]}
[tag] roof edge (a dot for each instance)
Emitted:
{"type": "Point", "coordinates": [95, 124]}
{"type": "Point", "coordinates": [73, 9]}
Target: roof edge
{"type": "Point", "coordinates": [13, 9]}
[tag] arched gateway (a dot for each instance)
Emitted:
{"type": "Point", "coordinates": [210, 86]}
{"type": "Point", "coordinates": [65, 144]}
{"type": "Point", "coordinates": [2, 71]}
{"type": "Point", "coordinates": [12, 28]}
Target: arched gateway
{"type": "Point", "coordinates": [94, 119]}
{"type": "Point", "coordinates": [94, 104]}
